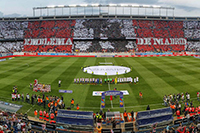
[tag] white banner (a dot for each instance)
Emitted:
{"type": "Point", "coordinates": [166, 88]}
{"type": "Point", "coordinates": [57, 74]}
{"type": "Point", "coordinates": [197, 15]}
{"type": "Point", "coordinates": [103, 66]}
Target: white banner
{"type": "Point", "coordinates": [161, 41]}
{"type": "Point", "coordinates": [49, 41]}
{"type": "Point", "coordinates": [18, 53]}
{"type": "Point", "coordinates": [98, 93]}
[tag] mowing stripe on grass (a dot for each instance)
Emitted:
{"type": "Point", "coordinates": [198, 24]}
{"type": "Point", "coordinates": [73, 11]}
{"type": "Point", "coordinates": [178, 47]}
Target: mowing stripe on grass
{"type": "Point", "coordinates": [184, 73]}
{"type": "Point", "coordinates": [43, 75]}
{"type": "Point", "coordinates": [176, 83]}
{"type": "Point", "coordinates": [7, 70]}
{"type": "Point", "coordinates": [131, 88]}
{"type": "Point", "coordinates": [81, 91]}
{"type": "Point", "coordinates": [93, 101]}
{"type": "Point", "coordinates": [156, 81]}
{"type": "Point", "coordinates": [67, 77]}
{"type": "Point", "coordinates": [43, 70]}
{"type": "Point", "coordinates": [109, 87]}
{"type": "Point", "coordinates": [54, 73]}
{"type": "Point", "coordinates": [173, 67]}
{"type": "Point", "coordinates": [142, 86]}
{"type": "Point", "coordinates": [25, 75]}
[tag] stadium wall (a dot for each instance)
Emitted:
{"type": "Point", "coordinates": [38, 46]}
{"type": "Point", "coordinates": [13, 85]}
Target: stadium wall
{"type": "Point", "coordinates": [23, 54]}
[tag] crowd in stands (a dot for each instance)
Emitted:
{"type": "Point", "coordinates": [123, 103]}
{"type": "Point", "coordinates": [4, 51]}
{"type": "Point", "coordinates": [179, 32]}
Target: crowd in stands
{"type": "Point", "coordinates": [6, 47]}
{"type": "Point", "coordinates": [104, 46]}
{"type": "Point", "coordinates": [192, 29]}
{"type": "Point", "coordinates": [158, 29]}
{"type": "Point", "coordinates": [48, 48]}
{"type": "Point", "coordinates": [50, 29]}
{"type": "Point", "coordinates": [105, 28]}
{"type": "Point", "coordinates": [108, 30]}
{"type": "Point", "coordinates": [193, 46]}
{"type": "Point", "coordinates": [12, 30]}
{"type": "Point", "coordinates": [13, 123]}
{"type": "Point", "coordinates": [160, 48]}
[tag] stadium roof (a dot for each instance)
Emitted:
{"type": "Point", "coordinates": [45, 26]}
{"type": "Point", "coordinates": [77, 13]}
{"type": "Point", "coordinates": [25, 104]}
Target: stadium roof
{"type": "Point", "coordinates": [98, 9]}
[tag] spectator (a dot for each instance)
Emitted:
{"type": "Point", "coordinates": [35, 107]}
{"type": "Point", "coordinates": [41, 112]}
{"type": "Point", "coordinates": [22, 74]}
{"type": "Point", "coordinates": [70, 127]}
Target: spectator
{"type": "Point", "coordinates": [125, 116]}
{"type": "Point", "coordinates": [114, 123]}
{"type": "Point", "coordinates": [148, 107]}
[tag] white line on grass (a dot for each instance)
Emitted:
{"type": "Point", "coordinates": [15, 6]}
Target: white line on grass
{"type": "Point", "coordinates": [126, 107]}
{"type": "Point", "coordinates": [30, 108]}
{"type": "Point", "coordinates": [109, 88]}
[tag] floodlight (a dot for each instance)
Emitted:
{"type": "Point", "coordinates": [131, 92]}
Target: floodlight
{"type": "Point", "coordinates": [112, 4]}
{"type": "Point", "coordinates": [72, 5]}
{"type": "Point", "coordinates": [61, 5]}
{"type": "Point", "coordinates": [95, 4]}
{"type": "Point", "coordinates": [124, 4]}
{"type": "Point", "coordinates": [51, 6]}
{"type": "Point", "coordinates": [156, 6]}
{"type": "Point", "coordinates": [83, 5]}
{"type": "Point", "coordinates": [146, 6]}
{"type": "Point", "coordinates": [135, 5]}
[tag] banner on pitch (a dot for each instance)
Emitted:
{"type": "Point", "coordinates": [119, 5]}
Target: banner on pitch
{"type": "Point", "coordinates": [65, 91]}
{"type": "Point", "coordinates": [161, 41]}
{"type": "Point", "coordinates": [49, 41]}
{"type": "Point", "coordinates": [98, 93]}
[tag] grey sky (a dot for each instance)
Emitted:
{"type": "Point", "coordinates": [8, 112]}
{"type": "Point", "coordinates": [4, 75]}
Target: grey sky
{"type": "Point", "coordinates": [9, 8]}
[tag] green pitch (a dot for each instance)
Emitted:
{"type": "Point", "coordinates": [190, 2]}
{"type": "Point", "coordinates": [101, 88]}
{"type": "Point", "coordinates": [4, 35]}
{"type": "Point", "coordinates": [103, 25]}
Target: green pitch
{"type": "Point", "coordinates": [157, 76]}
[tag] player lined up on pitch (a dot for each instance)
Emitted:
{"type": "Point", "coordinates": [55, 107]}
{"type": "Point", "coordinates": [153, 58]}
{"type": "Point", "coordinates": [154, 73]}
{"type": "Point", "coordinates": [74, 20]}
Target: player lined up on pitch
{"type": "Point", "coordinates": [87, 80]}
{"type": "Point", "coordinates": [95, 81]}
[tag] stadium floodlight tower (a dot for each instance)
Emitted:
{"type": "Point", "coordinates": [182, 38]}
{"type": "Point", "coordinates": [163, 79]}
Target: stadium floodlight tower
{"type": "Point", "coordinates": [99, 9]}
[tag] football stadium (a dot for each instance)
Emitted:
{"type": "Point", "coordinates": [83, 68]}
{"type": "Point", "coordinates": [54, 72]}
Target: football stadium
{"type": "Point", "coordinates": [100, 69]}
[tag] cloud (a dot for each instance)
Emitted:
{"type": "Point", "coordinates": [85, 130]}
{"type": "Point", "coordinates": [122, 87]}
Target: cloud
{"type": "Point", "coordinates": [13, 15]}
{"type": "Point", "coordinates": [187, 5]}
{"type": "Point", "coordinates": [120, 1]}
{"type": "Point", "coordinates": [187, 8]}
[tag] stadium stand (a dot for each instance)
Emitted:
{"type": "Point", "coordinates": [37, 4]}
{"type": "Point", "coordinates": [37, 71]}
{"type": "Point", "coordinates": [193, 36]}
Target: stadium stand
{"type": "Point", "coordinates": [112, 35]}
{"type": "Point", "coordinates": [48, 48]}
{"type": "Point", "coordinates": [11, 30]}
{"type": "Point", "coordinates": [191, 29]}
{"type": "Point", "coordinates": [49, 29]}
{"type": "Point", "coordinates": [193, 46]}
{"type": "Point", "coordinates": [6, 47]}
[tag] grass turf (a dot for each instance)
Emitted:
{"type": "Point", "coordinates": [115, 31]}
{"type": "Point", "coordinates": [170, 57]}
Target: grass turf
{"type": "Point", "coordinates": [157, 76]}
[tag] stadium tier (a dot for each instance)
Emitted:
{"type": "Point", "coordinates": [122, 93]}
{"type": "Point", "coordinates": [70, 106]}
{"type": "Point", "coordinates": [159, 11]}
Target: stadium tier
{"type": "Point", "coordinates": [100, 35]}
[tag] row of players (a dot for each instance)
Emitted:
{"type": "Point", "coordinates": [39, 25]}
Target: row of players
{"type": "Point", "coordinates": [88, 80]}
{"type": "Point", "coordinates": [106, 80]}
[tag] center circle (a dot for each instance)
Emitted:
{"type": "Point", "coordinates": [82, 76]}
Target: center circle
{"type": "Point", "coordinates": [107, 70]}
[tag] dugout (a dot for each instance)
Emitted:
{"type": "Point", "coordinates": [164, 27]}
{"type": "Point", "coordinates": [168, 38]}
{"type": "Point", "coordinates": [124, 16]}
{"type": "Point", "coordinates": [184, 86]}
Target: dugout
{"type": "Point", "coordinates": [74, 121]}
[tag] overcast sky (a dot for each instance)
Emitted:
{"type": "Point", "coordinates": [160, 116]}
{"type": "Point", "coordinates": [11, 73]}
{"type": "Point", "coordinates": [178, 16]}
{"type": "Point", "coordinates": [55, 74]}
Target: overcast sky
{"type": "Point", "coordinates": [18, 8]}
